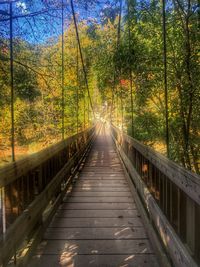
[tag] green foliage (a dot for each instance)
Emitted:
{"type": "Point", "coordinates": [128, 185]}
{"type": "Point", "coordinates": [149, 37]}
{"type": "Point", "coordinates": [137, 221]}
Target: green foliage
{"type": "Point", "coordinates": [140, 52]}
{"type": "Point", "coordinates": [114, 62]}
{"type": "Point", "coordinates": [146, 127]}
{"type": "Point", "coordinates": [26, 86]}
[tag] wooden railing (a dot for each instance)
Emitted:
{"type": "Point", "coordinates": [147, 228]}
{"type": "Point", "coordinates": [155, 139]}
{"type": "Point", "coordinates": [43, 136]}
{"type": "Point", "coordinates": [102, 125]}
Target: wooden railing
{"type": "Point", "coordinates": [170, 194]}
{"type": "Point", "coordinates": [33, 187]}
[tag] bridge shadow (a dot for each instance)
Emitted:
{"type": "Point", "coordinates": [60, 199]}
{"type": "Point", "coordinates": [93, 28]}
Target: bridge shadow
{"type": "Point", "coordinates": [72, 255]}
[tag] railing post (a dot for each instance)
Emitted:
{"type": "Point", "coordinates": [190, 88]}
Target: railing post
{"type": "Point", "coordinates": [174, 190]}
{"type": "Point", "coordinates": [150, 176]}
{"type": "Point", "coordinates": [197, 233]}
{"type": "Point", "coordinates": [168, 198]}
{"type": "Point", "coordinates": [161, 190]}
{"type": "Point", "coordinates": [179, 210]}
{"type": "Point", "coordinates": [3, 211]}
{"type": "Point", "coordinates": [183, 216]}
{"type": "Point", "coordinates": [190, 234]}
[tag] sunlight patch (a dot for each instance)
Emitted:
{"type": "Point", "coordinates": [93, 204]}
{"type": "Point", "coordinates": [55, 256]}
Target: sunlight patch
{"type": "Point", "coordinates": [22, 6]}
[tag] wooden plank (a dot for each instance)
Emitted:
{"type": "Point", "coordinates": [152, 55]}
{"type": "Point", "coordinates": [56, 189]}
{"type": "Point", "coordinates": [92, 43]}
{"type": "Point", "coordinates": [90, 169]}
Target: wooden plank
{"type": "Point", "coordinates": [106, 247]}
{"type": "Point", "coordinates": [178, 252]}
{"type": "Point", "coordinates": [113, 165]}
{"type": "Point", "coordinates": [92, 172]}
{"type": "Point", "coordinates": [104, 177]}
{"type": "Point", "coordinates": [71, 260]}
{"type": "Point", "coordinates": [103, 166]}
{"type": "Point", "coordinates": [95, 233]}
{"type": "Point", "coordinates": [97, 213]}
{"type": "Point", "coordinates": [99, 199]}
{"type": "Point", "coordinates": [98, 219]}
{"type": "Point", "coordinates": [95, 222]}
{"type": "Point", "coordinates": [99, 194]}
{"type": "Point", "coordinates": [103, 170]}
{"type": "Point", "coordinates": [101, 189]}
{"type": "Point", "coordinates": [33, 214]}
{"type": "Point", "coordinates": [113, 180]}
{"type": "Point", "coordinates": [98, 206]}
{"type": "Point", "coordinates": [103, 183]}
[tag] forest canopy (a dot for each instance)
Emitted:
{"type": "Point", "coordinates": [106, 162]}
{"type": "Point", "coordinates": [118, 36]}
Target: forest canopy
{"type": "Point", "coordinates": [134, 63]}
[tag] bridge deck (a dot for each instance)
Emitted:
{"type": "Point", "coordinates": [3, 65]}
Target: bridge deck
{"type": "Point", "coordinates": [98, 225]}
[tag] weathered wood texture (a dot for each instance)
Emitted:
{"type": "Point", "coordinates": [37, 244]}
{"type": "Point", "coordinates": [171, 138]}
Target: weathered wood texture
{"type": "Point", "coordinates": [171, 195]}
{"type": "Point", "coordinates": [98, 223]}
{"type": "Point", "coordinates": [35, 185]}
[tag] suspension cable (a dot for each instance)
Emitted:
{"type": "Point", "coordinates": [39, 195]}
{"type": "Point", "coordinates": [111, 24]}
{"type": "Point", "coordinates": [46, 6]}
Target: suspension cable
{"type": "Point", "coordinates": [12, 84]}
{"type": "Point", "coordinates": [165, 77]}
{"type": "Point", "coordinates": [119, 24]}
{"type": "Point", "coordinates": [81, 56]}
{"type": "Point", "coordinates": [118, 43]}
{"type": "Point", "coordinates": [117, 46]}
{"type": "Point", "coordinates": [77, 92]}
{"type": "Point", "coordinates": [62, 79]}
{"type": "Point", "coordinates": [130, 71]}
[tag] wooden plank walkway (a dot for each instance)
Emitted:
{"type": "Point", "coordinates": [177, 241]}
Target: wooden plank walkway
{"type": "Point", "coordinates": [98, 225]}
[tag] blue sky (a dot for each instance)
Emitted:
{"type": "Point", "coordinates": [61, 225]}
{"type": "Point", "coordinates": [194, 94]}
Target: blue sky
{"type": "Point", "coordinates": [35, 29]}
{"type": "Point", "coordinates": [46, 22]}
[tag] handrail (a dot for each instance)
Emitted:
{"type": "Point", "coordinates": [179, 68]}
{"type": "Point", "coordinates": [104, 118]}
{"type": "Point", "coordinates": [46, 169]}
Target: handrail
{"type": "Point", "coordinates": [13, 170]}
{"type": "Point", "coordinates": [170, 194]}
{"type": "Point", "coordinates": [32, 184]}
{"type": "Point", "coordinates": [186, 180]}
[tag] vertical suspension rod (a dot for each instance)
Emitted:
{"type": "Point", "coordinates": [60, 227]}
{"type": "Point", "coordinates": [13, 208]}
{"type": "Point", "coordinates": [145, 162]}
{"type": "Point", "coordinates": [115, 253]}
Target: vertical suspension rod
{"type": "Point", "coordinates": [119, 24]}
{"type": "Point", "coordinates": [118, 43]}
{"type": "Point", "coordinates": [84, 110]}
{"type": "Point", "coordinates": [12, 84]}
{"type": "Point", "coordinates": [63, 96]}
{"type": "Point", "coordinates": [81, 55]}
{"type": "Point", "coordinates": [130, 72]}
{"type": "Point", "coordinates": [77, 91]}
{"type": "Point", "coordinates": [114, 76]}
{"type": "Point", "coordinates": [165, 76]}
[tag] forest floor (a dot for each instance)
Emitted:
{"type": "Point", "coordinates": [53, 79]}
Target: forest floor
{"type": "Point", "coordinates": [20, 152]}
{"type": "Point", "coordinates": [23, 150]}
{"type": "Point", "coordinates": [5, 154]}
